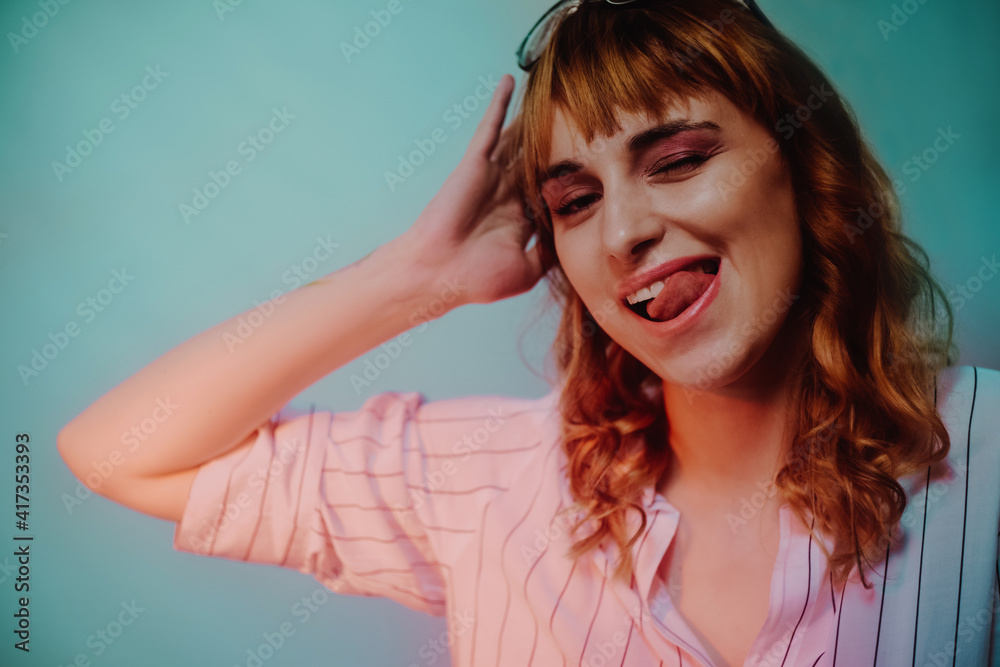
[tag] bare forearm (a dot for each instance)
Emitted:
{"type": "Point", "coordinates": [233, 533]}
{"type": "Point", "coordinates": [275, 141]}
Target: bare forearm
{"type": "Point", "coordinates": [223, 383]}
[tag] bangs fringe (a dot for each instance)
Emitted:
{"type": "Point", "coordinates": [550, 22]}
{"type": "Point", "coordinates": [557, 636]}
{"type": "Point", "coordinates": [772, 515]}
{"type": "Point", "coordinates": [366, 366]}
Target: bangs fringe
{"type": "Point", "coordinates": [879, 326]}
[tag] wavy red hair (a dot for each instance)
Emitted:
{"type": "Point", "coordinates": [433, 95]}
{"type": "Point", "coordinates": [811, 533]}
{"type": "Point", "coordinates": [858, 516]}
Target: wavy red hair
{"type": "Point", "coordinates": [878, 326]}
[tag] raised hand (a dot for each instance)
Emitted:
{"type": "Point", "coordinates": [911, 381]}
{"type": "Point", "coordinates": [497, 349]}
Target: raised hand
{"type": "Point", "coordinates": [474, 231]}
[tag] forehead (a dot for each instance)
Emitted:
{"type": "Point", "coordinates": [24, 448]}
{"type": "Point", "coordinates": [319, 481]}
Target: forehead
{"type": "Point", "coordinates": [568, 142]}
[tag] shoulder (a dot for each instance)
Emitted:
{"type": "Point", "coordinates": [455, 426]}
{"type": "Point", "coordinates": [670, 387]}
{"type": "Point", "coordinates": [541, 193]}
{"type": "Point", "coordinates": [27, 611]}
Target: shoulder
{"type": "Point", "coordinates": [393, 424]}
{"type": "Point", "coordinates": [970, 395]}
{"type": "Point", "coordinates": [488, 422]}
{"type": "Point", "coordinates": [469, 409]}
{"type": "Point", "coordinates": [968, 401]}
{"type": "Point", "coordinates": [446, 428]}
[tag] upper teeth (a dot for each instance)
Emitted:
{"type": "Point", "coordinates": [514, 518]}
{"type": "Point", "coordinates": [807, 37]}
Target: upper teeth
{"type": "Point", "coordinates": [651, 290]}
{"type": "Point", "coordinates": [645, 293]}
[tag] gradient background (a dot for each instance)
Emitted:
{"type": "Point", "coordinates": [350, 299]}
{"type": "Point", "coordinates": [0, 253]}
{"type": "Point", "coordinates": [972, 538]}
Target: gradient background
{"type": "Point", "coordinates": [324, 176]}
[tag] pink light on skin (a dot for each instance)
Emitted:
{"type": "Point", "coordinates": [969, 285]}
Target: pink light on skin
{"type": "Point", "coordinates": [649, 197]}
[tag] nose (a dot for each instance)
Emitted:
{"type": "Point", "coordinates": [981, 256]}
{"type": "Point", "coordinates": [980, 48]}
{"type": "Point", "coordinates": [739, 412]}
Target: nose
{"type": "Point", "coordinates": [631, 226]}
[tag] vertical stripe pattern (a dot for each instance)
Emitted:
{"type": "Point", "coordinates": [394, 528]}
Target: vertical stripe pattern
{"type": "Point", "coordinates": [453, 508]}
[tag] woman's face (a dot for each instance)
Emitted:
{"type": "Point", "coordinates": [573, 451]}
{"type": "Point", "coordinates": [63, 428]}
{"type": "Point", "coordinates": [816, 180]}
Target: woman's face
{"type": "Point", "coordinates": [697, 208]}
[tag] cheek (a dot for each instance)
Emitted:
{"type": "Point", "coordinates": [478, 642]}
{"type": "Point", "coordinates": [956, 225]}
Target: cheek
{"type": "Point", "coordinates": [563, 257]}
{"type": "Point", "coordinates": [775, 187]}
{"type": "Point", "coordinates": [769, 200]}
{"type": "Point", "coordinates": [579, 262]}
{"type": "Point", "coordinates": [783, 219]}
{"type": "Point", "coordinates": [571, 251]}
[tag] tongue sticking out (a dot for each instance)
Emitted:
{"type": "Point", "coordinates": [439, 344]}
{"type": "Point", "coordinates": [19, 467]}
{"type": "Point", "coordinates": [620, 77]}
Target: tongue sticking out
{"type": "Point", "coordinates": [680, 290]}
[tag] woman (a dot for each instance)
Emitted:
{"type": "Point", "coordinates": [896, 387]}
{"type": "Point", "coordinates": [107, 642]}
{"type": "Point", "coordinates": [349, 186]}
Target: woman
{"type": "Point", "coordinates": [754, 452]}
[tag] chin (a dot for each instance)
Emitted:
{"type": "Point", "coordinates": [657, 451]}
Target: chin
{"type": "Point", "coordinates": [713, 368]}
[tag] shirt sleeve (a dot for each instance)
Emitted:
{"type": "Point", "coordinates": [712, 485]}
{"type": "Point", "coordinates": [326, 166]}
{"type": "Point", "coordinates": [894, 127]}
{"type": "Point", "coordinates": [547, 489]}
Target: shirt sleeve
{"type": "Point", "coordinates": [325, 494]}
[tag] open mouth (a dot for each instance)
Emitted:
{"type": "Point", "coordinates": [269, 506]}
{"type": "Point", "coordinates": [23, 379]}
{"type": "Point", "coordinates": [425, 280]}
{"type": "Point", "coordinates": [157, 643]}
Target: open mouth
{"type": "Point", "coordinates": [665, 299]}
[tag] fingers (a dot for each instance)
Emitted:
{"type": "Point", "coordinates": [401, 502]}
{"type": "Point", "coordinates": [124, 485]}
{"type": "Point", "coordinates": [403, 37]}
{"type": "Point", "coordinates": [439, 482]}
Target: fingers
{"type": "Point", "coordinates": [487, 133]}
{"type": "Point", "coordinates": [538, 267]}
{"type": "Point", "coordinates": [507, 149]}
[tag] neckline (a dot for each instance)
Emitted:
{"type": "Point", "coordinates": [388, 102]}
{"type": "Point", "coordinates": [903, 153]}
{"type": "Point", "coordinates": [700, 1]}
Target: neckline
{"type": "Point", "coordinates": [780, 605]}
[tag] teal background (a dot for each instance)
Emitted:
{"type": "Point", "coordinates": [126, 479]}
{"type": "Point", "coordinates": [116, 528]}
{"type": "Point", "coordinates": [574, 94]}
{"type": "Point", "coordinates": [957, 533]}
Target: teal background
{"type": "Point", "coordinates": [323, 175]}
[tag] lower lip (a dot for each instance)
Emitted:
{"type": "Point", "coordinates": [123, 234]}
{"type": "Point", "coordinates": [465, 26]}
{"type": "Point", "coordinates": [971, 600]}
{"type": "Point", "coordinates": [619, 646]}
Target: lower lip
{"type": "Point", "coordinates": [688, 317]}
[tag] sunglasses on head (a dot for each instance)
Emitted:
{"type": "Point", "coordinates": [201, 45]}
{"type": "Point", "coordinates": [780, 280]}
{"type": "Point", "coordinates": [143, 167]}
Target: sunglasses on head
{"type": "Point", "coordinates": [536, 39]}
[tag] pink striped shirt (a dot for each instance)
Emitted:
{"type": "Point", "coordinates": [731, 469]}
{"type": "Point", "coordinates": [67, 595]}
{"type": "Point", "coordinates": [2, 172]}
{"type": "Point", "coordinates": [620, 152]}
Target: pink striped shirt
{"type": "Point", "coordinates": [452, 507]}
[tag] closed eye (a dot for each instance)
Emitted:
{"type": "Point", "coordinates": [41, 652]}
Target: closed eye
{"type": "Point", "coordinates": [684, 164]}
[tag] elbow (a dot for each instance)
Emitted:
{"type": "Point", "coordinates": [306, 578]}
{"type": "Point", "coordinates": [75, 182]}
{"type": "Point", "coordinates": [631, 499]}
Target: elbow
{"type": "Point", "coordinates": [68, 449]}
{"type": "Point", "coordinates": [98, 469]}
{"type": "Point", "coordinates": [74, 452]}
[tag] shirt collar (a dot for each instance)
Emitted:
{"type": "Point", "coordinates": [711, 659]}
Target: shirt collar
{"type": "Point", "coordinates": [662, 519]}
{"type": "Point", "coordinates": [647, 552]}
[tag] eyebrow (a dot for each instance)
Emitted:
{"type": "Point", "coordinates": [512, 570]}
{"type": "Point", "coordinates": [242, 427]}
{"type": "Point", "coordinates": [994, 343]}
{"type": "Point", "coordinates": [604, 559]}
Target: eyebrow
{"type": "Point", "coordinates": [636, 143]}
